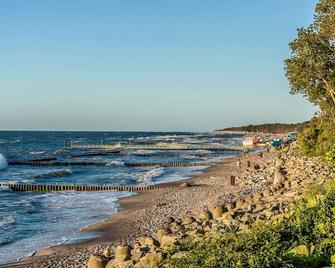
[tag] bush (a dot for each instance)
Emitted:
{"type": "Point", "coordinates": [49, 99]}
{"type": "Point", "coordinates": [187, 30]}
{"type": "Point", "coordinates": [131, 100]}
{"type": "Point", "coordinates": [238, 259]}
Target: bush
{"type": "Point", "coordinates": [319, 140]}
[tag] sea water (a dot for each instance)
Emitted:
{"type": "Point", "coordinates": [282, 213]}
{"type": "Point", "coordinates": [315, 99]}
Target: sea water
{"type": "Point", "coordinates": [33, 220]}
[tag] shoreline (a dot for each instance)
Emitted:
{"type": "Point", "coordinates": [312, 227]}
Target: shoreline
{"type": "Point", "coordinates": [122, 226]}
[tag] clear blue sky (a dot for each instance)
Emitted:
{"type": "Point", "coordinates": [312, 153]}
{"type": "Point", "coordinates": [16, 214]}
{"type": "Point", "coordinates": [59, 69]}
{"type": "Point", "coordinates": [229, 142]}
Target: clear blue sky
{"type": "Point", "coordinates": [147, 65]}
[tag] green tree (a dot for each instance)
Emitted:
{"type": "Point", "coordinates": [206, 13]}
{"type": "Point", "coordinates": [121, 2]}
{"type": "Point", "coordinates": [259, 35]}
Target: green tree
{"type": "Point", "coordinates": [311, 67]}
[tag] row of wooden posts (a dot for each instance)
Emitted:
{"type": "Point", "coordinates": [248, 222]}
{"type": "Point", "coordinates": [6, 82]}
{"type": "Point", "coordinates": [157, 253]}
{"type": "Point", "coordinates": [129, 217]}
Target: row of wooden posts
{"type": "Point", "coordinates": [170, 164]}
{"type": "Point", "coordinates": [46, 188]}
{"type": "Point", "coordinates": [129, 164]}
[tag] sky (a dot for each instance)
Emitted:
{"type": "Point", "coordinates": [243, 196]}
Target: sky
{"type": "Point", "coordinates": [174, 65]}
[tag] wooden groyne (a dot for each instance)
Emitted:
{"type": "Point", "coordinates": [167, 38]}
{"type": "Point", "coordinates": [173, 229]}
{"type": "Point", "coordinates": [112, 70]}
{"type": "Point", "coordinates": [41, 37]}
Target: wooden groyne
{"type": "Point", "coordinates": [170, 164]}
{"type": "Point", "coordinates": [55, 163]}
{"type": "Point", "coordinates": [127, 164]}
{"type": "Point", "coordinates": [82, 188]}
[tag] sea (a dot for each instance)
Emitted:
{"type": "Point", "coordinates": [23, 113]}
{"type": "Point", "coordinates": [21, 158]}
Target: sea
{"type": "Point", "coordinates": [33, 220]}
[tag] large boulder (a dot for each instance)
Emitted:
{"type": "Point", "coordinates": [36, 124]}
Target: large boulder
{"type": "Point", "coordinates": [185, 184]}
{"type": "Point", "coordinates": [107, 253]}
{"type": "Point", "coordinates": [187, 220]}
{"type": "Point", "coordinates": [229, 206]}
{"type": "Point", "coordinates": [205, 215]}
{"type": "Point", "coordinates": [239, 203]}
{"type": "Point", "coordinates": [151, 242]}
{"type": "Point", "coordinates": [120, 264]}
{"type": "Point", "coordinates": [161, 232]}
{"type": "Point", "coordinates": [150, 260]}
{"type": "Point", "coordinates": [278, 176]}
{"type": "Point", "coordinates": [97, 261]}
{"type": "Point", "coordinates": [257, 196]}
{"type": "Point", "coordinates": [122, 254]}
{"type": "Point", "coordinates": [168, 241]}
{"type": "Point", "coordinates": [217, 212]}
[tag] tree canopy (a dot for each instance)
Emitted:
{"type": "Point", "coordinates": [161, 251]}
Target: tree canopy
{"type": "Point", "coordinates": [311, 67]}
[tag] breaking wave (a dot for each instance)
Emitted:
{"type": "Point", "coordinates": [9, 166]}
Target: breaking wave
{"type": "Point", "coordinates": [146, 177]}
{"type": "Point", "coordinates": [7, 220]}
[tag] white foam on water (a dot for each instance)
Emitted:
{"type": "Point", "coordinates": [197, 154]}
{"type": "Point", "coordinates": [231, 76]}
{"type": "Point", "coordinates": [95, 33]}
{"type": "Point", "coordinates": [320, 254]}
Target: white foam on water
{"type": "Point", "coordinates": [115, 163]}
{"type": "Point", "coordinates": [3, 162]}
{"type": "Point", "coordinates": [146, 177]}
{"type": "Point", "coordinates": [63, 214]}
{"type": "Point", "coordinates": [7, 220]}
{"type": "Point", "coordinates": [37, 152]}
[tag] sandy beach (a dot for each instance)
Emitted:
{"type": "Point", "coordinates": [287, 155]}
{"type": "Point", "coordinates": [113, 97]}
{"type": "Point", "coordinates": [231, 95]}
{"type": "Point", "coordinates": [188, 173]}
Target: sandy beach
{"type": "Point", "coordinates": [147, 211]}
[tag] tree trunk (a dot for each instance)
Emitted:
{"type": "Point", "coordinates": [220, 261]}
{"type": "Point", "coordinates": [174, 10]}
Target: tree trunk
{"type": "Point", "coordinates": [330, 90]}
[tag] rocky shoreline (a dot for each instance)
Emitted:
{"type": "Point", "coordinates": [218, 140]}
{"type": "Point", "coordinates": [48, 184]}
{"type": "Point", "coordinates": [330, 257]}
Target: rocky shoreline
{"type": "Point", "coordinates": [267, 185]}
{"type": "Point", "coordinates": [267, 193]}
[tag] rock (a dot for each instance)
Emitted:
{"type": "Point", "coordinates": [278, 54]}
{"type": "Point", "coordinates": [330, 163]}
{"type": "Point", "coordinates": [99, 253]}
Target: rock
{"type": "Point", "coordinates": [137, 256]}
{"type": "Point", "coordinates": [237, 213]}
{"type": "Point", "coordinates": [107, 253]}
{"type": "Point", "coordinates": [243, 227]}
{"type": "Point", "coordinates": [229, 206]}
{"type": "Point", "coordinates": [170, 220]}
{"type": "Point", "coordinates": [205, 215]}
{"type": "Point", "coordinates": [245, 219]}
{"type": "Point", "coordinates": [257, 196]}
{"type": "Point", "coordinates": [168, 240]}
{"type": "Point", "coordinates": [161, 232]}
{"type": "Point", "coordinates": [239, 203]}
{"type": "Point", "coordinates": [217, 212]}
{"type": "Point", "coordinates": [122, 254]}
{"type": "Point", "coordinates": [149, 241]}
{"type": "Point", "coordinates": [287, 184]}
{"type": "Point", "coordinates": [119, 264]}
{"type": "Point", "coordinates": [278, 162]}
{"type": "Point", "coordinates": [266, 192]}
{"type": "Point", "coordinates": [227, 219]}
{"type": "Point", "coordinates": [142, 240]}
{"type": "Point", "coordinates": [187, 220]}
{"type": "Point", "coordinates": [275, 208]}
{"type": "Point", "coordinates": [185, 184]}
{"type": "Point", "coordinates": [268, 214]}
{"type": "Point", "coordinates": [150, 260]}
{"type": "Point", "coordinates": [196, 232]}
{"type": "Point", "coordinates": [96, 261]}
{"type": "Point", "coordinates": [193, 225]}
{"type": "Point", "coordinates": [278, 177]}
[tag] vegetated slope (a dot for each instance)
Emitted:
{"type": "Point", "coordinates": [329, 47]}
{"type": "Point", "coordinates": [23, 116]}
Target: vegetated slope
{"type": "Point", "coordinates": [270, 128]}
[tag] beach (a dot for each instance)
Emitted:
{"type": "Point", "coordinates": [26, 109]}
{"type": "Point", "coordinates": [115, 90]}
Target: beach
{"type": "Point", "coordinates": [147, 211]}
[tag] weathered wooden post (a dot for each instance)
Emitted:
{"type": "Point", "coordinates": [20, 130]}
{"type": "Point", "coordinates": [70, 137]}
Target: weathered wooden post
{"type": "Point", "coordinates": [232, 180]}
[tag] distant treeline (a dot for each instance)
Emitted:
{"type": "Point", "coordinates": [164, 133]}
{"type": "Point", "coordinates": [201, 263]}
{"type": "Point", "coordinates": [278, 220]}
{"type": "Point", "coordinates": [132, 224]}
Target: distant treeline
{"type": "Point", "coordinates": [270, 128]}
